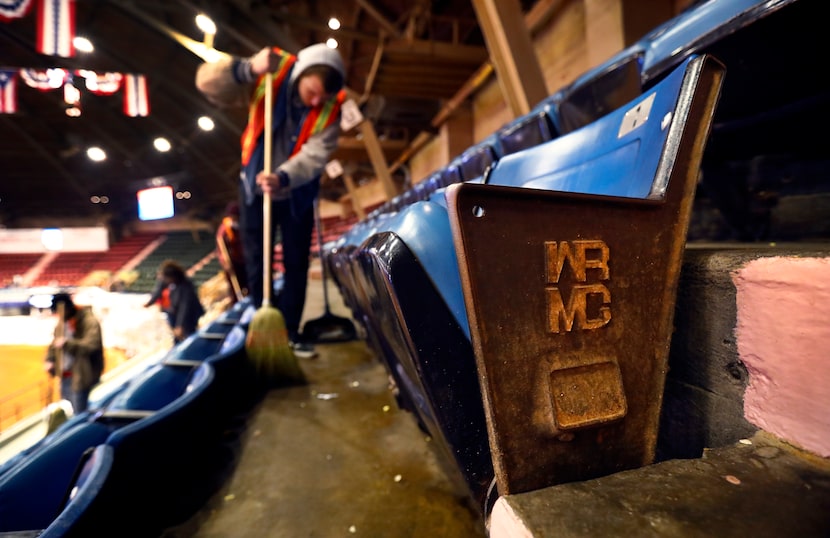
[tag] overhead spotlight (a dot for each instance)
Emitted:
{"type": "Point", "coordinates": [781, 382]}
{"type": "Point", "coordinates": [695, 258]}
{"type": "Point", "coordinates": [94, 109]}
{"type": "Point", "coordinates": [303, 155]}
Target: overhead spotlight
{"type": "Point", "coordinates": [205, 123]}
{"type": "Point", "coordinates": [96, 154]}
{"type": "Point", "coordinates": [162, 144]}
{"type": "Point", "coordinates": [82, 44]}
{"type": "Point", "coordinates": [332, 43]}
{"type": "Point", "coordinates": [334, 23]}
{"type": "Point", "coordinates": [205, 24]}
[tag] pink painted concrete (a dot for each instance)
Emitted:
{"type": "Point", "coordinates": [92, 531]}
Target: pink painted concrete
{"type": "Point", "coordinates": [783, 336]}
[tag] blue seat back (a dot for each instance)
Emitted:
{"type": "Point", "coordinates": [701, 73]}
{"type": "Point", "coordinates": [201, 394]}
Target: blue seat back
{"type": "Point", "coordinates": [526, 131]}
{"type": "Point", "coordinates": [78, 517]}
{"type": "Point", "coordinates": [195, 389]}
{"type": "Point", "coordinates": [152, 389]}
{"type": "Point", "coordinates": [425, 228]}
{"type": "Point", "coordinates": [32, 492]}
{"type": "Point", "coordinates": [607, 157]}
{"type": "Point", "coordinates": [197, 346]}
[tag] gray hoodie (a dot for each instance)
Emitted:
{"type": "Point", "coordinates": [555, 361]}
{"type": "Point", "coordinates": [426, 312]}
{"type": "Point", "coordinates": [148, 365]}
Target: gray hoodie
{"type": "Point", "coordinates": [229, 83]}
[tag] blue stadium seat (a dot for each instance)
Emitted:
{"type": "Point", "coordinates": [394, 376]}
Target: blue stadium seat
{"type": "Point", "coordinates": [31, 493]}
{"type": "Point", "coordinates": [76, 517]}
{"type": "Point", "coordinates": [162, 465]}
{"type": "Point", "coordinates": [408, 266]}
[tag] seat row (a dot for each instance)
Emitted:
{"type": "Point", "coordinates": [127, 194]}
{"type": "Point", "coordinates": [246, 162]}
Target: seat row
{"type": "Point", "coordinates": [146, 456]}
{"type": "Point", "coordinates": [521, 299]}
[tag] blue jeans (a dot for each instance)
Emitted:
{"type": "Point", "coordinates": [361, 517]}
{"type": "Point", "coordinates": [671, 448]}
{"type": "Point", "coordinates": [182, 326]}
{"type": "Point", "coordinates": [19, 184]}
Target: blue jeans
{"type": "Point", "coordinates": [293, 228]}
{"type": "Point", "coordinates": [79, 400]}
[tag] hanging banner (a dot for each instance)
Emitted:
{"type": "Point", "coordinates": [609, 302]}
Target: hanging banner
{"type": "Point", "coordinates": [43, 79]}
{"type": "Point", "coordinates": [8, 95]}
{"type": "Point", "coordinates": [14, 9]}
{"type": "Point", "coordinates": [100, 83]}
{"type": "Point", "coordinates": [136, 102]}
{"type": "Point", "coordinates": [56, 27]}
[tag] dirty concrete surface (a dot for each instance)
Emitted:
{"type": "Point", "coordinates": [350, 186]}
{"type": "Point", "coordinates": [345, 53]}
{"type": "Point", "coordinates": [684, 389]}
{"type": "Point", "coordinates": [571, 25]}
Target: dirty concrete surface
{"type": "Point", "coordinates": [335, 457]}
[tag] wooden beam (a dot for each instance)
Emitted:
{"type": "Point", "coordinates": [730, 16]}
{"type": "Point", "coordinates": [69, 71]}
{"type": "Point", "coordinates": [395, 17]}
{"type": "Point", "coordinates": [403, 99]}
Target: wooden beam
{"type": "Point", "coordinates": [472, 84]}
{"type": "Point", "coordinates": [375, 152]}
{"type": "Point", "coordinates": [348, 180]}
{"type": "Point", "coordinates": [373, 71]}
{"type": "Point", "coordinates": [435, 49]}
{"type": "Point", "coordinates": [512, 53]}
{"type": "Point", "coordinates": [540, 14]}
{"type": "Point", "coordinates": [416, 144]}
{"type": "Point", "coordinates": [375, 14]}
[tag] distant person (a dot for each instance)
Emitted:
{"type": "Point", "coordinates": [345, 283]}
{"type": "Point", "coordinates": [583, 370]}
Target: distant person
{"type": "Point", "coordinates": [160, 295]}
{"type": "Point", "coordinates": [185, 307]}
{"type": "Point", "coordinates": [230, 253]}
{"type": "Point", "coordinates": [76, 352]}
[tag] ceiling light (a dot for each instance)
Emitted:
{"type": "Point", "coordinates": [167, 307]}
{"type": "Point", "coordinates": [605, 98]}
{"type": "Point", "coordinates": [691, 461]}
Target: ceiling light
{"type": "Point", "coordinates": [334, 23]}
{"type": "Point", "coordinates": [162, 144]}
{"type": "Point", "coordinates": [331, 42]}
{"type": "Point", "coordinates": [82, 44]}
{"type": "Point", "coordinates": [96, 154]}
{"type": "Point", "coordinates": [205, 123]}
{"type": "Point", "coordinates": [205, 24]}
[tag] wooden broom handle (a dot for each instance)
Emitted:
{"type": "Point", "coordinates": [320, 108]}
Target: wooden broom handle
{"type": "Point", "coordinates": [267, 247]}
{"type": "Point", "coordinates": [237, 290]}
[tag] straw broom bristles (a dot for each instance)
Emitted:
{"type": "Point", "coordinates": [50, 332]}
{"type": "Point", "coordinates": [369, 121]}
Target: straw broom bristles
{"type": "Point", "coordinates": [269, 350]}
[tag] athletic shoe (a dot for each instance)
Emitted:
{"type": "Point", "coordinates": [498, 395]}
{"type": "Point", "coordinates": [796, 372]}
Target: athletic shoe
{"type": "Point", "coordinates": [303, 350]}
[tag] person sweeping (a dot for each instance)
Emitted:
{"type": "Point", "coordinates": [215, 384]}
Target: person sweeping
{"type": "Point", "coordinates": [304, 128]}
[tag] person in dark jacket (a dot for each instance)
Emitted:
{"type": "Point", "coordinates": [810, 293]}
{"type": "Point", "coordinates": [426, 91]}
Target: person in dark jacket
{"type": "Point", "coordinates": [76, 353]}
{"type": "Point", "coordinates": [185, 308]}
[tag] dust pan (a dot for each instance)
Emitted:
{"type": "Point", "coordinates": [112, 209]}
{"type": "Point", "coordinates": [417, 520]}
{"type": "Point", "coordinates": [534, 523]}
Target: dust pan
{"type": "Point", "coordinates": [328, 327]}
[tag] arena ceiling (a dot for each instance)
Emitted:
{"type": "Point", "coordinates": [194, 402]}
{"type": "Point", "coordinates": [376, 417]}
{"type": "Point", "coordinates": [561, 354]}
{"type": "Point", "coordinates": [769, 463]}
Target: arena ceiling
{"type": "Point", "coordinates": [405, 61]}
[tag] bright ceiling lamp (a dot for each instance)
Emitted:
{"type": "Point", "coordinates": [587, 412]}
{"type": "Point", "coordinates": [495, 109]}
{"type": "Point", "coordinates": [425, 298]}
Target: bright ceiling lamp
{"type": "Point", "coordinates": [162, 144]}
{"type": "Point", "coordinates": [207, 26]}
{"type": "Point", "coordinates": [82, 44]}
{"type": "Point", "coordinates": [96, 154]}
{"type": "Point", "coordinates": [205, 123]}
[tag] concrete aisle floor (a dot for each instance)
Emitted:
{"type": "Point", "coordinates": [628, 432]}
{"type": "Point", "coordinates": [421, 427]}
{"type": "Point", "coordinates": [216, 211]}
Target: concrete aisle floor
{"type": "Point", "coordinates": [333, 458]}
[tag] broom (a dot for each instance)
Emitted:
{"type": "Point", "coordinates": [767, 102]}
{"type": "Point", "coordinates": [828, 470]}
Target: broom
{"type": "Point", "coordinates": [267, 343]}
{"type": "Point", "coordinates": [237, 289]}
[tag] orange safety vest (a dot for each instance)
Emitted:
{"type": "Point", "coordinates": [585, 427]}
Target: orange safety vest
{"type": "Point", "coordinates": [316, 120]}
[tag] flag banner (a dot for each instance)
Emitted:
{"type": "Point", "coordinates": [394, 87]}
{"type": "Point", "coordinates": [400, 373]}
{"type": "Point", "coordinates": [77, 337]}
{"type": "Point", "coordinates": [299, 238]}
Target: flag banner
{"type": "Point", "coordinates": [100, 83]}
{"type": "Point", "coordinates": [136, 102]}
{"type": "Point", "coordinates": [8, 96]}
{"type": "Point", "coordinates": [14, 9]}
{"type": "Point", "coordinates": [56, 27]}
{"type": "Point", "coordinates": [43, 79]}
